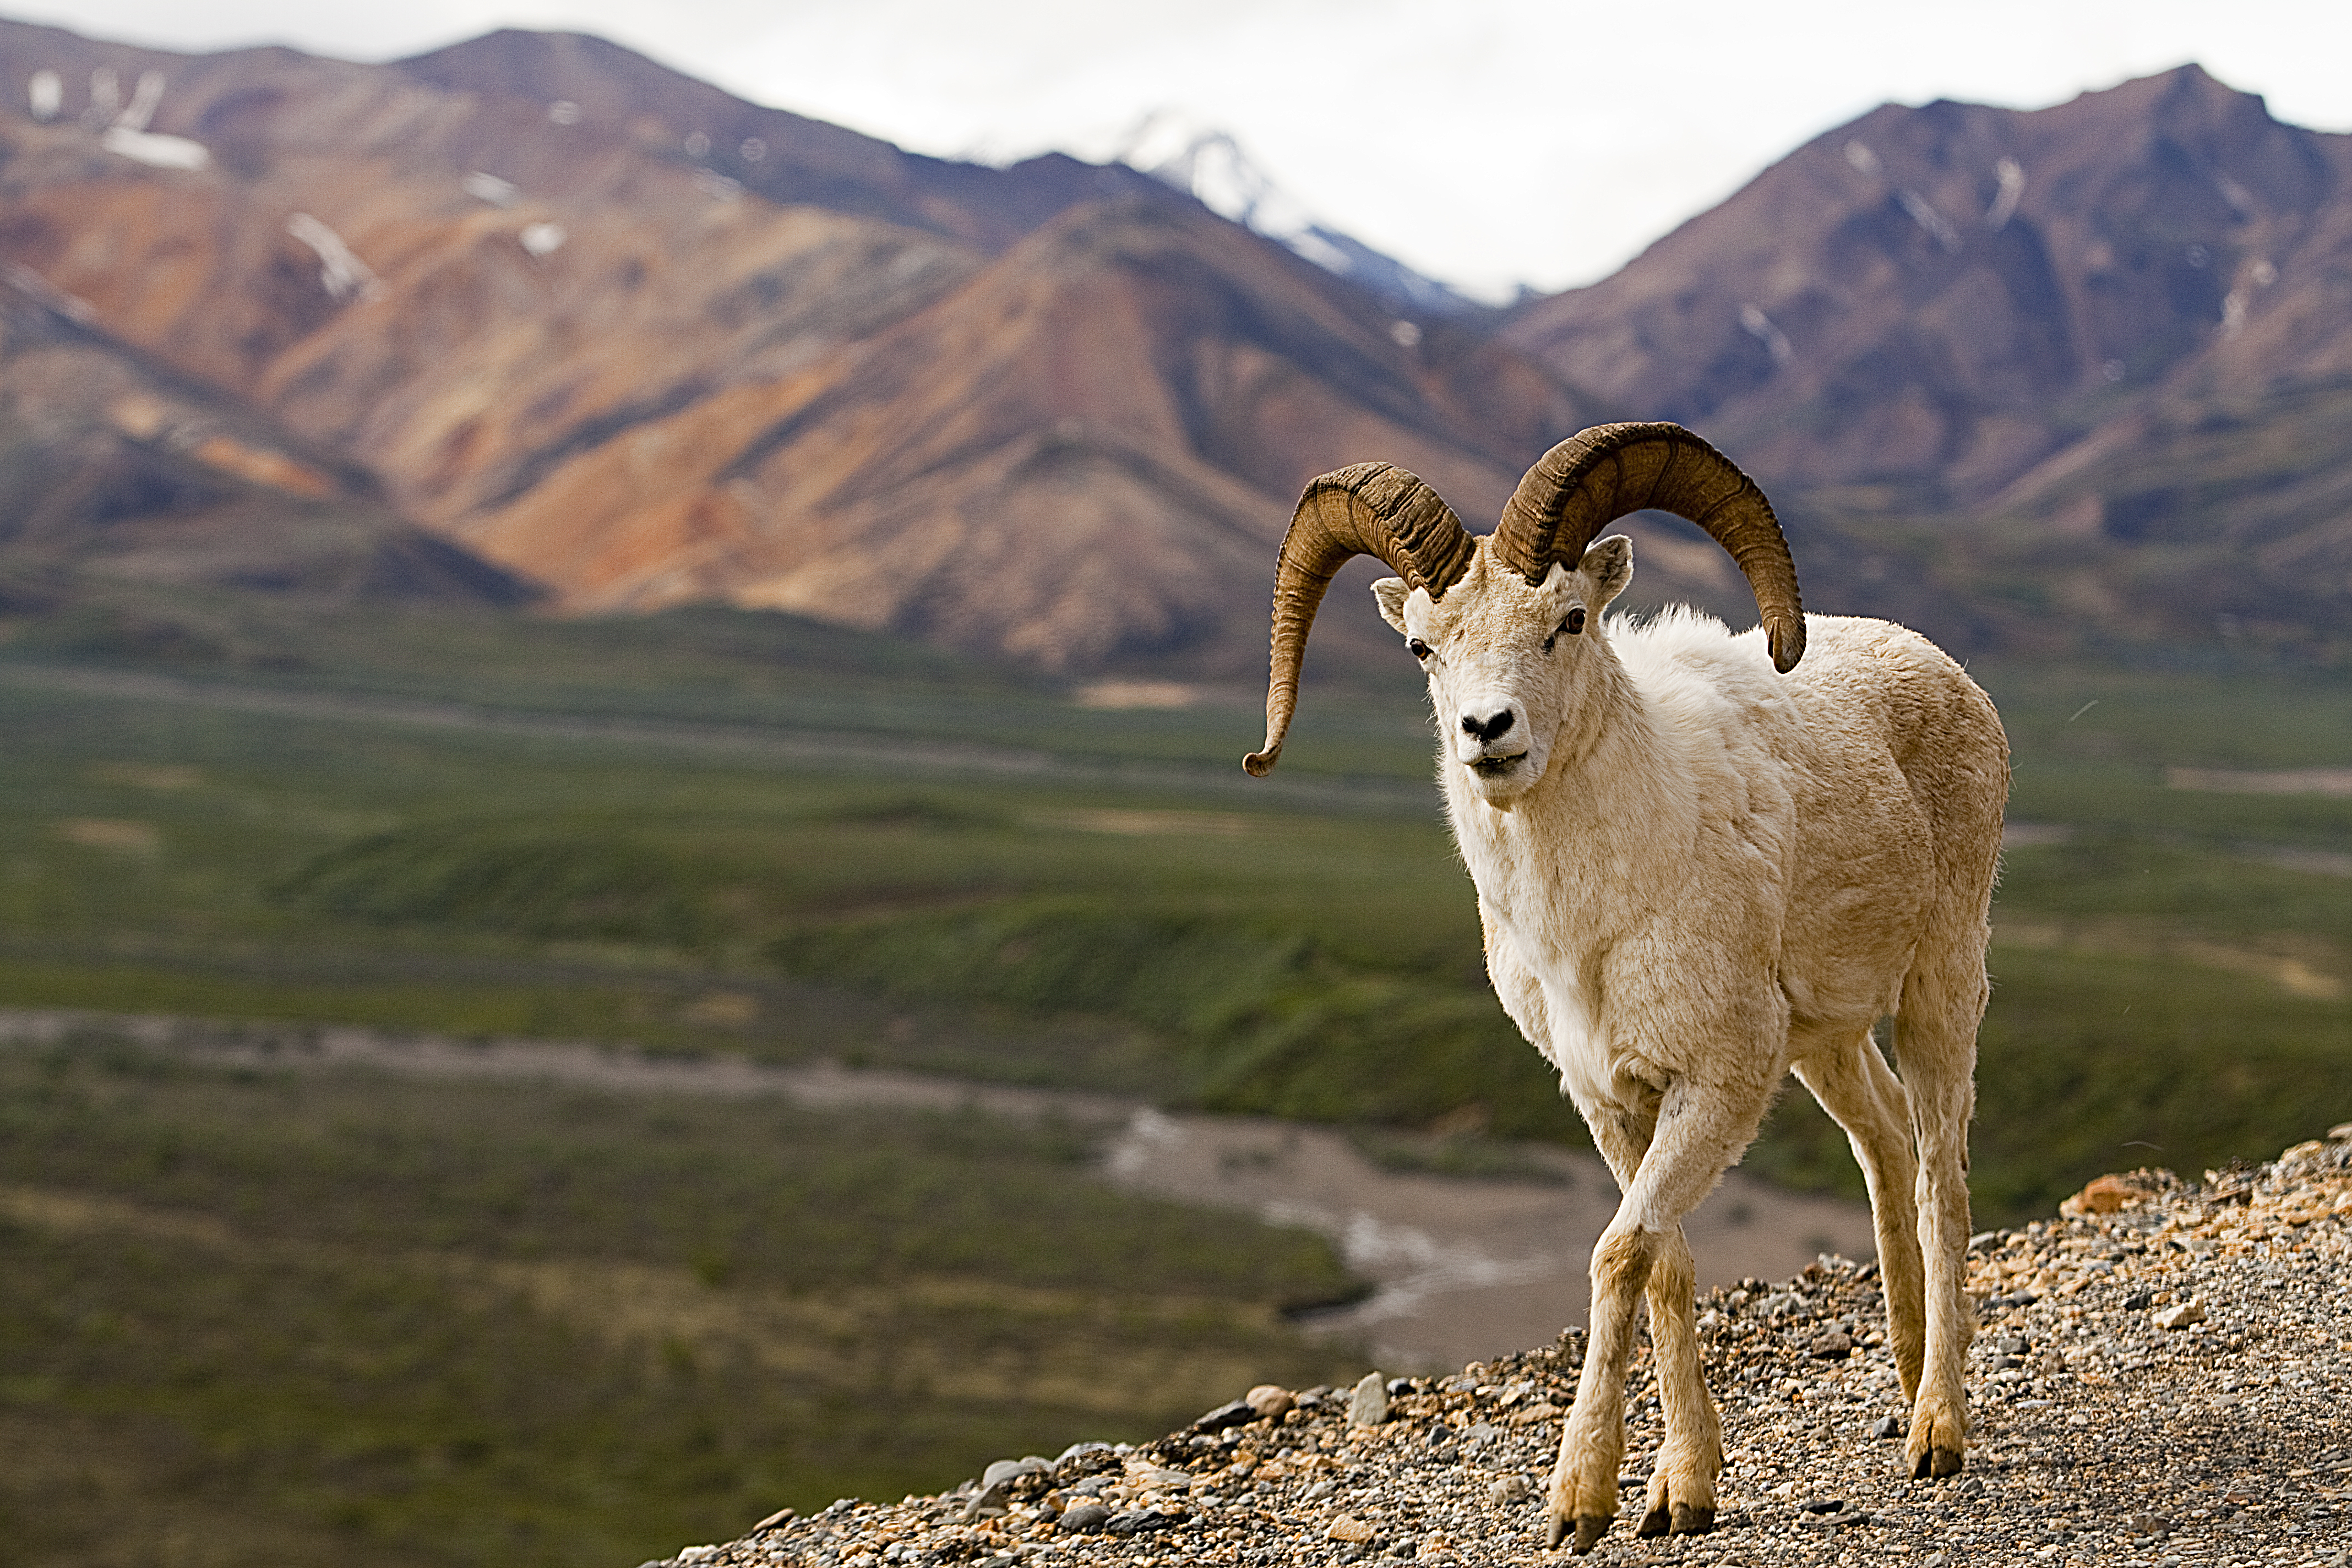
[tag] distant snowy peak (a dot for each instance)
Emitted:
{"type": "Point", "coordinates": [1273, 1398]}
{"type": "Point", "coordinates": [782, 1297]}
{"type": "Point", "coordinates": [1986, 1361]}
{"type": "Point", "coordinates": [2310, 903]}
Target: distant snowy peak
{"type": "Point", "coordinates": [1206, 162]}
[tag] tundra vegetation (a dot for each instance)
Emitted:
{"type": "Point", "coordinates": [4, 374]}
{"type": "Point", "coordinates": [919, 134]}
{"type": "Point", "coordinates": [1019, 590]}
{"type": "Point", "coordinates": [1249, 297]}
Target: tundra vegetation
{"type": "Point", "coordinates": [711, 831]}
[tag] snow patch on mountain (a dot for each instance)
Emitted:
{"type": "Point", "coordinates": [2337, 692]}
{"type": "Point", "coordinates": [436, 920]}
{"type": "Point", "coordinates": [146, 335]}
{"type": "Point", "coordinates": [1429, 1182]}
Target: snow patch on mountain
{"type": "Point", "coordinates": [1208, 164]}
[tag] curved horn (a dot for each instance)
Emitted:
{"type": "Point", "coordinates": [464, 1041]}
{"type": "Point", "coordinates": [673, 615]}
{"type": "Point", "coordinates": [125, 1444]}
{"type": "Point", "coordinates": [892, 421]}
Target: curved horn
{"type": "Point", "coordinates": [1596, 477]}
{"type": "Point", "coordinates": [1366, 508]}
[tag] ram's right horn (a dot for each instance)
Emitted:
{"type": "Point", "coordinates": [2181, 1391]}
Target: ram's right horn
{"type": "Point", "coordinates": [1366, 508]}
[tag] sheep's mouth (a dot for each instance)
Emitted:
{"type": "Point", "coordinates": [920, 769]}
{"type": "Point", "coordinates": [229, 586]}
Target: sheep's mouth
{"type": "Point", "coordinates": [1495, 767]}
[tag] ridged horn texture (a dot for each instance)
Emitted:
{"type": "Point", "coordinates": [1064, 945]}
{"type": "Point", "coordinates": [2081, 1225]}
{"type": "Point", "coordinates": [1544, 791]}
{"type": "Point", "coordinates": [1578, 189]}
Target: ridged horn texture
{"type": "Point", "coordinates": [1594, 477]}
{"type": "Point", "coordinates": [1365, 508]}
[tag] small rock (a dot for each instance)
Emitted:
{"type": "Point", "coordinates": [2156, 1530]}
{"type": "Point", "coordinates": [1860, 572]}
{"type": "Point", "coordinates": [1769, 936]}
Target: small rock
{"type": "Point", "coordinates": [1368, 1406]}
{"type": "Point", "coordinates": [1348, 1528]}
{"type": "Point", "coordinates": [1236, 1413]}
{"type": "Point", "coordinates": [1084, 1518]}
{"type": "Point", "coordinates": [2107, 1194]}
{"type": "Point", "coordinates": [2340, 1134]}
{"type": "Point", "coordinates": [1269, 1400]}
{"type": "Point", "coordinates": [1508, 1490]}
{"type": "Point", "coordinates": [1822, 1505]}
{"type": "Point", "coordinates": [2180, 1315]}
{"type": "Point", "coordinates": [1887, 1428]}
{"type": "Point", "coordinates": [1835, 1345]}
{"type": "Point", "coordinates": [2138, 1301]}
{"type": "Point", "coordinates": [781, 1516]}
{"type": "Point", "coordinates": [1003, 1470]}
{"type": "Point", "coordinates": [1163, 1477]}
{"type": "Point", "coordinates": [1135, 1521]}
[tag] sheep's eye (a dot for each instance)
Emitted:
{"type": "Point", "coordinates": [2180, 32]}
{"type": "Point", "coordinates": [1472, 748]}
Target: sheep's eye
{"type": "Point", "coordinates": [1575, 622]}
{"type": "Point", "coordinates": [1418, 648]}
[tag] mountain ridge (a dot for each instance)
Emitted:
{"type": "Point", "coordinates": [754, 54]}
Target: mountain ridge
{"type": "Point", "coordinates": [2027, 379]}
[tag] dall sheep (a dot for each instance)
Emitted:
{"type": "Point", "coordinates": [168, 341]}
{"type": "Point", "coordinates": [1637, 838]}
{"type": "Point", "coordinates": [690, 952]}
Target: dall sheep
{"type": "Point", "coordinates": [1697, 875]}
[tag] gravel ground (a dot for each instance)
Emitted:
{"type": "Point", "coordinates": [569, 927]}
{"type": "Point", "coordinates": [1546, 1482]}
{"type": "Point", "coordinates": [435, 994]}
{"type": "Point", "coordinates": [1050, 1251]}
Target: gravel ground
{"type": "Point", "coordinates": [2163, 1378]}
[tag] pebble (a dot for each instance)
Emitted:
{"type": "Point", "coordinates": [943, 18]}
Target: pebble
{"type": "Point", "coordinates": [1083, 1517]}
{"type": "Point", "coordinates": [2102, 1437]}
{"type": "Point", "coordinates": [1269, 1401]}
{"type": "Point", "coordinates": [1368, 1406]}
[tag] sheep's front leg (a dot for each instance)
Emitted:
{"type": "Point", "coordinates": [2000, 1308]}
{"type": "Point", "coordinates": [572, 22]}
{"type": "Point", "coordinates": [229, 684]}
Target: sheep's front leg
{"type": "Point", "coordinates": [1682, 1486]}
{"type": "Point", "coordinates": [1592, 1445]}
{"type": "Point", "coordinates": [1700, 1129]}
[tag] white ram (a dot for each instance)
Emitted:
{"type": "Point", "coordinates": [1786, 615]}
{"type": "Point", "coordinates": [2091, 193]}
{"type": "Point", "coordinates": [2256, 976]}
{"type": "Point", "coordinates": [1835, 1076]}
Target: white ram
{"type": "Point", "coordinates": [1701, 866]}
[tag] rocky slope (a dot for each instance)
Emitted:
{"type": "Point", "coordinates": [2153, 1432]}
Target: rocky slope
{"type": "Point", "coordinates": [2158, 1381]}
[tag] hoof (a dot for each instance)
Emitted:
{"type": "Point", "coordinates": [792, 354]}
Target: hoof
{"type": "Point", "coordinates": [1657, 1522]}
{"type": "Point", "coordinates": [1936, 1463]}
{"type": "Point", "coordinates": [1590, 1528]}
{"type": "Point", "coordinates": [1692, 1519]}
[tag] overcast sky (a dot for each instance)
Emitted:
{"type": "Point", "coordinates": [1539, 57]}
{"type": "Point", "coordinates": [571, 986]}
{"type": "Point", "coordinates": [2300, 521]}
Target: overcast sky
{"type": "Point", "coordinates": [1488, 142]}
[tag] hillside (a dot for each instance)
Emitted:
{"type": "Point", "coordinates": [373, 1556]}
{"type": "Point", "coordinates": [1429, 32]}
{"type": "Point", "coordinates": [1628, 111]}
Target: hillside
{"type": "Point", "coordinates": [114, 471]}
{"type": "Point", "coordinates": [2153, 1382]}
{"type": "Point", "coordinates": [2088, 364]}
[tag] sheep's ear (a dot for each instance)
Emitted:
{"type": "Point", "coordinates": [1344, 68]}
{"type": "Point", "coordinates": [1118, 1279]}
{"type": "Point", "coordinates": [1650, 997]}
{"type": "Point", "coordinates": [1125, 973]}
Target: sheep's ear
{"type": "Point", "coordinates": [1608, 565]}
{"type": "Point", "coordinates": [1391, 593]}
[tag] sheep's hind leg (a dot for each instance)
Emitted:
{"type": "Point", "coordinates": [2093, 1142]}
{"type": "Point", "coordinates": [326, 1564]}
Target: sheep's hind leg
{"type": "Point", "coordinates": [1936, 1041]}
{"type": "Point", "coordinates": [1698, 1132]}
{"type": "Point", "coordinates": [1861, 1093]}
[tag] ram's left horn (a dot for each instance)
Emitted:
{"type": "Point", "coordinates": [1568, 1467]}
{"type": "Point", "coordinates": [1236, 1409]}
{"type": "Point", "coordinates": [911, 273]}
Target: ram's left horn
{"type": "Point", "coordinates": [1596, 477]}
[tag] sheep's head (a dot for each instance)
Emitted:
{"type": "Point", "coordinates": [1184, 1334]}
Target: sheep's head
{"type": "Point", "coordinates": [1507, 621]}
{"type": "Point", "coordinates": [1505, 657]}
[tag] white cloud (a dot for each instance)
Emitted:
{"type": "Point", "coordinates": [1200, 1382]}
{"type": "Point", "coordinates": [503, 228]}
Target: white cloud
{"type": "Point", "coordinates": [1487, 141]}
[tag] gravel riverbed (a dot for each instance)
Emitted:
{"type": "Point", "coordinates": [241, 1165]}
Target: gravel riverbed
{"type": "Point", "coordinates": [2162, 1378]}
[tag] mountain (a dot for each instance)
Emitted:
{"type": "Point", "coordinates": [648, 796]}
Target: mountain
{"type": "Point", "coordinates": [642, 343]}
{"type": "Point", "coordinates": [1089, 447]}
{"type": "Point", "coordinates": [2027, 380]}
{"type": "Point", "coordinates": [1207, 162]}
{"type": "Point", "coordinates": [2101, 353]}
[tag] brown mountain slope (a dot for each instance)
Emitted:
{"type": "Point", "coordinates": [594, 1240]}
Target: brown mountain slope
{"type": "Point", "coordinates": [557, 333]}
{"type": "Point", "coordinates": [115, 472]}
{"type": "Point", "coordinates": [1083, 453]}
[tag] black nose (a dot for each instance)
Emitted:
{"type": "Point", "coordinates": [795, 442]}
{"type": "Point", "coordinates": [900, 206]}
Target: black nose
{"type": "Point", "coordinates": [1489, 728]}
